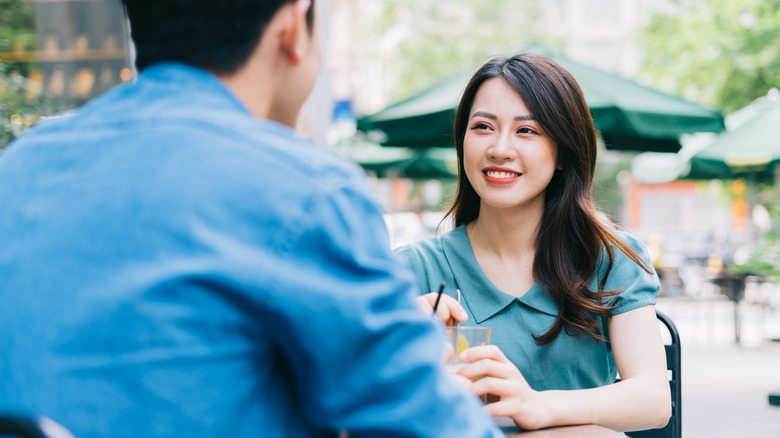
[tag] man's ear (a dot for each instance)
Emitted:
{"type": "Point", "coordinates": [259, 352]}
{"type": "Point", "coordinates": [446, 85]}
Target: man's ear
{"type": "Point", "coordinates": [294, 30]}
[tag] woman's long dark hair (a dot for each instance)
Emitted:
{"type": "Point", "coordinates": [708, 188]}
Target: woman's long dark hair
{"type": "Point", "coordinates": [571, 237]}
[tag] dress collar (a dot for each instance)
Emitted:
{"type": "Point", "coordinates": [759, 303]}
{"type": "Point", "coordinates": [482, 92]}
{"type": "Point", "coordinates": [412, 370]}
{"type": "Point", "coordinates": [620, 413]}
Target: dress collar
{"type": "Point", "coordinates": [480, 295]}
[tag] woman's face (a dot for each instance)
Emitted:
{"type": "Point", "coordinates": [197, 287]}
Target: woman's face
{"type": "Point", "coordinates": [507, 157]}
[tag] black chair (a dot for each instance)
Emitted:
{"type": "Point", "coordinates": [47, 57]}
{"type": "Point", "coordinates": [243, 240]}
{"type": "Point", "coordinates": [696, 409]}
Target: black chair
{"type": "Point", "coordinates": [674, 428]}
{"type": "Point", "coordinates": [26, 426]}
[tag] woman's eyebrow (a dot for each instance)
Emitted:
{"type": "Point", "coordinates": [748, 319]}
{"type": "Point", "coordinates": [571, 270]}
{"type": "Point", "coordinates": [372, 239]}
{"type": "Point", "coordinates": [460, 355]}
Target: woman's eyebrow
{"type": "Point", "coordinates": [485, 115]}
{"type": "Point", "coordinates": [494, 117]}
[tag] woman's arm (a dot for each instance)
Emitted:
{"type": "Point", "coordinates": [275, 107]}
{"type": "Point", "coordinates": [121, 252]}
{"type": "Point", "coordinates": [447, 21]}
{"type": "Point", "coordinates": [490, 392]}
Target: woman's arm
{"type": "Point", "coordinates": [641, 400]}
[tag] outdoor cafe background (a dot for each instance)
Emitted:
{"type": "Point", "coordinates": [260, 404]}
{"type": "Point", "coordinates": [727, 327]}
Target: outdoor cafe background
{"type": "Point", "coordinates": [58, 54]}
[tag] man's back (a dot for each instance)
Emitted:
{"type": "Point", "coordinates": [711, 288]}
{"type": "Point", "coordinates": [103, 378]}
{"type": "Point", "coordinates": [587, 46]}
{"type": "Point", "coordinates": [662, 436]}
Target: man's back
{"type": "Point", "coordinates": [173, 266]}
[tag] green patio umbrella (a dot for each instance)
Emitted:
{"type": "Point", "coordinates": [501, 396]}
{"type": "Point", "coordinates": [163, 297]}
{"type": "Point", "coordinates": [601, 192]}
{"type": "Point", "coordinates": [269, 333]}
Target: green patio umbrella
{"type": "Point", "coordinates": [749, 148]}
{"type": "Point", "coordinates": [441, 163]}
{"type": "Point", "coordinates": [415, 163]}
{"type": "Point", "coordinates": [373, 157]}
{"type": "Point", "coordinates": [628, 115]}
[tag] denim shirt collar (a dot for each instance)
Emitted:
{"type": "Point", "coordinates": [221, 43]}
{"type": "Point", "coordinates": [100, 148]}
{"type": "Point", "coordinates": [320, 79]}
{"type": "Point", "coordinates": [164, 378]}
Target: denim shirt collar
{"type": "Point", "coordinates": [194, 79]}
{"type": "Point", "coordinates": [480, 295]}
{"type": "Point", "coordinates": [212, 101]}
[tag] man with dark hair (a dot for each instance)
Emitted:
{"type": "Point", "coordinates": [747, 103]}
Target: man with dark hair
{"type": "Point", "coordinates": [177, 262]}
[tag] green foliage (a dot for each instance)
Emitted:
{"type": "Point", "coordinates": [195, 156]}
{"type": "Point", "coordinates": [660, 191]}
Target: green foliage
{"type": "Point", "coordinates": [17, 26]}
{"type": "Point", "coordinates": [17, 30]}
{"type": "Point", "coordinates": [607, 192]}
{"type": "Point", "coordinates": [19, 108]}
{"type": "Point", "coordinates": [717, 52]}
{"type": "Point", "coordinates": [764, 258]}
{"type": "Point", "coordinates": [432, 40]}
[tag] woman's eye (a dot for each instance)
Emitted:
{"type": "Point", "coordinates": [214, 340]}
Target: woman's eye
{"type": "Point", "coordinates": [526, 131]}
{"type": "Point", "coordinates": [481, 126]}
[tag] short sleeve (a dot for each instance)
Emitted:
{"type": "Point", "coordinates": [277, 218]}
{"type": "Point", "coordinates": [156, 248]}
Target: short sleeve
{"type": "Point", "coordinates": [637, 287]}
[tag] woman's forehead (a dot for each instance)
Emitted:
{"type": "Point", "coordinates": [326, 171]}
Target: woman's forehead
{"type": "Point", "coordinates": [496, 94]}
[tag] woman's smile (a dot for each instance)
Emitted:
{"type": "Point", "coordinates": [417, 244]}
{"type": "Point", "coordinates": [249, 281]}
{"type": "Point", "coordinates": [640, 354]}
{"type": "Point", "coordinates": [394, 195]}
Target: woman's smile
{"type": "Point", "coordinates": [507, 157]}
{"type": "Point", "coordinates": [500, 175]}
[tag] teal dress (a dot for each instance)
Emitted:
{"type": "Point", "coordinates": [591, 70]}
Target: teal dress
{"type": "Point", "coordinates": [569, 362]}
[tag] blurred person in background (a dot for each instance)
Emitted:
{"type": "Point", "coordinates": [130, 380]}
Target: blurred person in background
{"type": "Point", "coordinates": [570, 298]}
{"type": "Point", "coordinates": [178, 262]}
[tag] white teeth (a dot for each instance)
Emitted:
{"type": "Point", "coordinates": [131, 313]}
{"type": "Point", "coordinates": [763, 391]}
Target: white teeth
{"type": "Point", "coordinates": [496, 174]}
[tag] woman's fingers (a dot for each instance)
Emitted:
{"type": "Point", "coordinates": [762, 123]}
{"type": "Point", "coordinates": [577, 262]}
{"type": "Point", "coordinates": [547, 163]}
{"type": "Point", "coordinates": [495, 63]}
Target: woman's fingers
{"type": "Point", "coordinates": [502, 388]}
{"type": "Point", "coordinates": [480, 352]}
{"type": "Point", "coordinates": [489, 368]}
{"type": "Point", "coordinates": [493, 375]}
{"type": "Point", "coordinates": [466, 383]}
{"type": "Point", "coordinates": [449, 351]}
{"type": "Point", "coordinates": [501, 409]}
{"type": "Point", "coordinates": [449, 310]}
{"type": "Point", "coordinates": [492, 372]}
{"type": "Point", "coordinates": [424, 305]}
{"type": "Point", "coordinates": [516, 400]}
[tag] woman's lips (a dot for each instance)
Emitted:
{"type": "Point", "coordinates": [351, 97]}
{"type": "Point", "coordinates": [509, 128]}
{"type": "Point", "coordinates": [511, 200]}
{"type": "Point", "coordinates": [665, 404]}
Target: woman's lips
{"type": "Point", "coordinates": [500, 175]}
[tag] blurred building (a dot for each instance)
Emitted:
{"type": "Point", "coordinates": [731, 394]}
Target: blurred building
{"type": "Point", "coordinates": [602, 33]}
{"type": "Point", "coordinates": [81, 50]}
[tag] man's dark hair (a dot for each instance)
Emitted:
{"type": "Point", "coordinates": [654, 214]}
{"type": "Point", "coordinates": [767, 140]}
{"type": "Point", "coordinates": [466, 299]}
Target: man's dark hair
{"type": "Point", "coordinates": [216, 35]}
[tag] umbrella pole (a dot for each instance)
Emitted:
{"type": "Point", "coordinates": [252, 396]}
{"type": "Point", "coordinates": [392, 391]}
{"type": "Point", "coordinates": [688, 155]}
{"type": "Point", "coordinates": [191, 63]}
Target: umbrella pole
{"type": "Point", "coordinates": [777, 181]}
{"type": "Point", "coordinates": [752, 201]}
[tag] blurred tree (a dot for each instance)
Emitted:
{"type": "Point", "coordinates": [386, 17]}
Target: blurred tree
{"type": "Point", "coordinates": [19, 110]}
{"type": "Point", "coordinates": [17, 30]}
{"type": "Point", "coordinates": [426, 41]}
{"type": "Point", "coordinates": [19, 107]}
{"type": "Point", "coordinates": [717, 52]}
{"type": "Point", "coordinates": [764, 256]}
{"type": "Point", "coordinates": [17, 34]}
{"type": "Point", "coordinates": [17, 25]}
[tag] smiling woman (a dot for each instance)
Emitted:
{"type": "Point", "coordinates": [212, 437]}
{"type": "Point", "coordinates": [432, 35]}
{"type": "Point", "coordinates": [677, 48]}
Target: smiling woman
{"type": "Point", "coordinates": [570, 299]}
{"type": "Point", "coordinates": [504, 145]}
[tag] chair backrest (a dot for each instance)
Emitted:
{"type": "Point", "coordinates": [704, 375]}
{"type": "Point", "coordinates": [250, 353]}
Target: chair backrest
{"type": "Point", "coordinates": [25, 426]}
{"type": "Point", "coordinates": [674, 428]}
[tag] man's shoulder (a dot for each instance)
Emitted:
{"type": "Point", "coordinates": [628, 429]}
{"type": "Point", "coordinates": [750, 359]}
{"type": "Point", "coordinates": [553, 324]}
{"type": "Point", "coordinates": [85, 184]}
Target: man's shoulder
{"type": "Point", "coordinates": [160, 122]}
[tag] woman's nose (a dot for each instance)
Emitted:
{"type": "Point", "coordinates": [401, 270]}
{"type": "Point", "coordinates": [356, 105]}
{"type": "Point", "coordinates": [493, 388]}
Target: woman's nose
{"type": "Point", "coordinates": [501, 149]}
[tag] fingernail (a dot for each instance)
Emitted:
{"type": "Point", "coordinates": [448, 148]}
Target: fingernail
{"type": "Point", "coordinates": [463, 356]}
{"type": "Point", "coordinates": [462, 315]}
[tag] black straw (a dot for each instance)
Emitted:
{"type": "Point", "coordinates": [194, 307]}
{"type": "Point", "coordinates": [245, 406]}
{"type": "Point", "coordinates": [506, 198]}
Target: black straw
{"type": "Point", "coordinates": [438, 298]}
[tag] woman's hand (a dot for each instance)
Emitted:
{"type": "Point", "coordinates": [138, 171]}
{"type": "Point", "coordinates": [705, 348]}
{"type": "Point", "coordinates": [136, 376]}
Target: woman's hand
{"type": "Point", "coordinates": [449, 310]}
{"type": "Point", "coordinates": [494, 375]}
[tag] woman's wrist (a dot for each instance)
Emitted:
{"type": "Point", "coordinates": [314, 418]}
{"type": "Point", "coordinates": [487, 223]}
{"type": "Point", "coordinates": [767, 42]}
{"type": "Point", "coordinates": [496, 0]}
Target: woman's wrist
{"type": "Point", "coordinates": [549, 408]}
{"type": "Point", "coordinates": [537, 411]}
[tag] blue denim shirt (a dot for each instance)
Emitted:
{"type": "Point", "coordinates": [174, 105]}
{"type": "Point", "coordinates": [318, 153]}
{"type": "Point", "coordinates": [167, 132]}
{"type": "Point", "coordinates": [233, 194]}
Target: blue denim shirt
{"type": "Point", "coordinates": [172, 266]}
